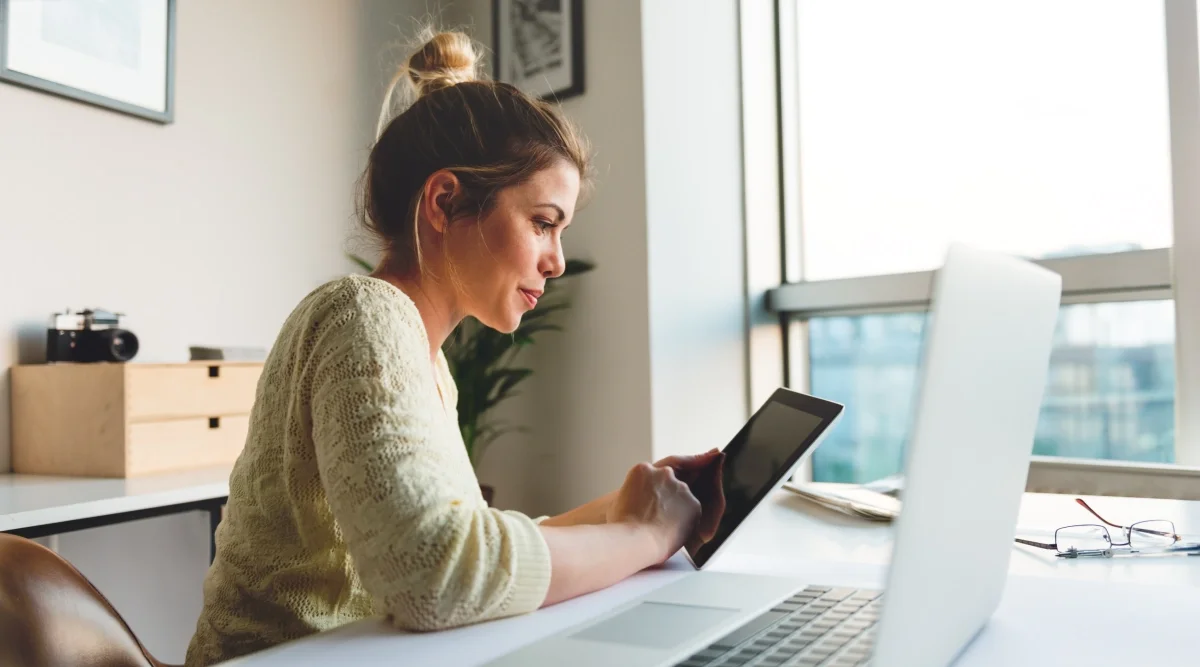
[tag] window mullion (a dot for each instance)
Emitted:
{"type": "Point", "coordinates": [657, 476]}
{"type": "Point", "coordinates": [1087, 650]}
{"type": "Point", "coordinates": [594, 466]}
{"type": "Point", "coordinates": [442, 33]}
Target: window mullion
{"type": "Point", "coordinates": [1183, 86]}
{"type": "Point", "coordinates": [762, 199]}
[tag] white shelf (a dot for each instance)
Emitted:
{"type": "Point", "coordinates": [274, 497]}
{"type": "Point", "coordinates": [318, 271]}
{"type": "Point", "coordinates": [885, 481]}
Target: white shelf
{"type": "Point", "coordinates": [27, 501]}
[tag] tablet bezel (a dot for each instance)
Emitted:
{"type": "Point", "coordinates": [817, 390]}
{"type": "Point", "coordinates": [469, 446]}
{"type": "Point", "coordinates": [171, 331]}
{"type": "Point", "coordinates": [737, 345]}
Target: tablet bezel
{"type": "Point", "coordinates": [828, 411]}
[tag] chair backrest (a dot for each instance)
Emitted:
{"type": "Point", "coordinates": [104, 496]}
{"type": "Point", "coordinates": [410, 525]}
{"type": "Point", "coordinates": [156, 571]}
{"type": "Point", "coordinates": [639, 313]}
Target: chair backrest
{"type": "Point", "coordinates": [50, 614]}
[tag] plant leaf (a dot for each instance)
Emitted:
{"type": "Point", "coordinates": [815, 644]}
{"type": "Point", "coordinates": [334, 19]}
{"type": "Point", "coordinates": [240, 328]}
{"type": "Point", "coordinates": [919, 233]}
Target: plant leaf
{"type": "Point", "coordinates": [577, 266]}
{"type": "Point", "coordinates": [541, 312]}
{"type": "Point", "coordinates": [506, 380]}
{"type": "Point", "coordinates": [362, 263]}
{"type": "Point", "coordinates": [525, 336]}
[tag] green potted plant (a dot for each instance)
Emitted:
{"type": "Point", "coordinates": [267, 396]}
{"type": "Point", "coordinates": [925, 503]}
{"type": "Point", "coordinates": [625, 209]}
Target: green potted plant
{"type": "Point", "coordinates": [482, 362]}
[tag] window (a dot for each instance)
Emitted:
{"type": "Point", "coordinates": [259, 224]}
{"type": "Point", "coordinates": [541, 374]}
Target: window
{"type": "Point", "coordinates": [868, 364]}
{"type": "Point", "coordinates": [1062, 131]}
{"type": "Point", "coordinates": [1109, 391]}
{"type": "Point", "coordinates": [1037, 127]}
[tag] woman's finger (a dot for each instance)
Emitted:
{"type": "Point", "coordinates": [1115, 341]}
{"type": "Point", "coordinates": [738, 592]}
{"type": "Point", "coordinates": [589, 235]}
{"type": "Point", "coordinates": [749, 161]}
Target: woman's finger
{"type": "Point", "coordinates": [689, 462]}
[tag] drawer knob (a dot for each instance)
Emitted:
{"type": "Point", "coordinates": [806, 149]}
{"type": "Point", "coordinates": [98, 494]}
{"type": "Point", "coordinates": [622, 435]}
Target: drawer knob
{"type": "Point", "coordinates": [214, 371]}
{"type": "Point", "coordinates": [214, 422]}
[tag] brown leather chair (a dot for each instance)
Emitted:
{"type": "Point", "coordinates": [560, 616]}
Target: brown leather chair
{"type": "Point", "coordinates": [51, 615]}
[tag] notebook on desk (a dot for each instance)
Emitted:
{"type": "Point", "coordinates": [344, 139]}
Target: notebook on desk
{"type": "Point", "coordinates": [987, 351]}
{"type": "Point", "coordinates": [850, 499]}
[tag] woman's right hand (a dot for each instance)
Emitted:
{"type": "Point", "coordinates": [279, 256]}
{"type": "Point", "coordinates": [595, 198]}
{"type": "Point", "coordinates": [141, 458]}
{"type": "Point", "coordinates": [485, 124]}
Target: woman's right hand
{"type": "Point", "coordinates": [653, 498]}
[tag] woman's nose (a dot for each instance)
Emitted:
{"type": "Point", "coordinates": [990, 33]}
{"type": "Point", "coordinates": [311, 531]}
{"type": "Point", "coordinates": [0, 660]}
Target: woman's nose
{"type": "Point", "coordinates": [554, 263]}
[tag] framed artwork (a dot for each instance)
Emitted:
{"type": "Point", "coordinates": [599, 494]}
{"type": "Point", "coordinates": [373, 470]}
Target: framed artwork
{"type": "Point", "coordinates": [116, 54]}
{"type": "Point", "coordinates": [538, 46]}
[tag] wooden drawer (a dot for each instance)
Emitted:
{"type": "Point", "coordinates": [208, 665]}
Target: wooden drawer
{"type": "Point", "coordinates": [184, 443]}
{"type": "Point", "coordinates": [121, 420]}
{"type": "Point", "coordinates": [189, 390]}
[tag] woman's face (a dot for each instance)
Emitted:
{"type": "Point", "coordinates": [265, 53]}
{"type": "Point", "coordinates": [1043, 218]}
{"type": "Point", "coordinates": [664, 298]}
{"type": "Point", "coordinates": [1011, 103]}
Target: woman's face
{"type": "Point", "coordinates": [502, 263]}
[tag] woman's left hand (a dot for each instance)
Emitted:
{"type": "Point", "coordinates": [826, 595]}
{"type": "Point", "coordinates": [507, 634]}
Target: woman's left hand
{"type": "Point", "coordinates": [701, 472]}
{"type": "Point", "coordinates": [703, 475]}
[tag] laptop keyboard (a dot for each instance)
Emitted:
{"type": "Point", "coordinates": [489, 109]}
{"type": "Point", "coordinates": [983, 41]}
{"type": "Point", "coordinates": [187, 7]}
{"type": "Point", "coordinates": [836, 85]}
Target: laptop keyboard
{"type": "Point", "coordinates": [830, 627]}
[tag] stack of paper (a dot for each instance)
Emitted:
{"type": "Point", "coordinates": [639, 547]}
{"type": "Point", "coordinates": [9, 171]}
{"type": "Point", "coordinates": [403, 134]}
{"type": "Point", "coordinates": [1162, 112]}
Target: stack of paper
{"type": "Point", "coordinates": [892, 485]}
{"type": "Point", "coordinates": [848, 499]}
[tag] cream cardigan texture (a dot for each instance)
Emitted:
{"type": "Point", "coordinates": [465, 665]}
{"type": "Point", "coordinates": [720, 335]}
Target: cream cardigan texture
{"type": "Point", "coordinates": [354, 495]}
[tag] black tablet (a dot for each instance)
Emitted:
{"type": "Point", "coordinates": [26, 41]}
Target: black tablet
{"type": "Point", "coordinates": [760, 458]}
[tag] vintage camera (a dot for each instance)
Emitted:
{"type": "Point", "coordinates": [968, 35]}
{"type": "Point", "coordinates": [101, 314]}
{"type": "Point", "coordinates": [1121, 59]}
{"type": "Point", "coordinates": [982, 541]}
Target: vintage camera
{"type": "Point", "coordinates": [89, 335]}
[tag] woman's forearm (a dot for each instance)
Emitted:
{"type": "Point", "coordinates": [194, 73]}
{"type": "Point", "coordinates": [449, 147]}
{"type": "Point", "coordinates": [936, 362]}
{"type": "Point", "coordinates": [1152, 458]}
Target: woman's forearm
{"type": "Point", "coordinates": [588, 557]}
{"type": "Point", "coordinates": [594, 512]}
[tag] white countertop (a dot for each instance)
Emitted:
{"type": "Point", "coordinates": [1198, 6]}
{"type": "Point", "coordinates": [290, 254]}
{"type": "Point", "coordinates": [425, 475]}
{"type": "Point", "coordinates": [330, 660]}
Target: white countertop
{"type": "Point", "coordinates": [817, 535]}
{"type": "Point", "coordinates": [36, 500]}
{"type": "Point", "coordinates": [1087, 611]}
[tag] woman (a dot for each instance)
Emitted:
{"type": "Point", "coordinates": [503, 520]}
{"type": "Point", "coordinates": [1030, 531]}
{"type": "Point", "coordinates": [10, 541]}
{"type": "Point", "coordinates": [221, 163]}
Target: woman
{"type": "Point", "coordinates": [354, 495]}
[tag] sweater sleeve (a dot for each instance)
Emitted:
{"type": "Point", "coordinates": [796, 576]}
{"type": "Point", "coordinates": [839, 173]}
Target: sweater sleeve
{"type": "Point", "coordinates": [429, 551]}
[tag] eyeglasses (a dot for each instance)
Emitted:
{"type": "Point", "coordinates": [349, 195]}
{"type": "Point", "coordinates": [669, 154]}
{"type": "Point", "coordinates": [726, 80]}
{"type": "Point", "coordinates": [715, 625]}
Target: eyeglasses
{"type": "Point", "coordinates": [1096, 540]}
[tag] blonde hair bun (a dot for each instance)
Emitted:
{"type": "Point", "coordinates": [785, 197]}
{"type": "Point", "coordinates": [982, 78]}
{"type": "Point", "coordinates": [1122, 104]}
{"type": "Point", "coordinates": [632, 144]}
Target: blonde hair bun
{"type": "Point", "coordinates": [446, 59]}
{"type": "Point", "coordinates": [443, 59]}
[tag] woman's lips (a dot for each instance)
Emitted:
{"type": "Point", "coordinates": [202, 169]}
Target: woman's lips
{"type": "Point", "coordinates": [531, 297]}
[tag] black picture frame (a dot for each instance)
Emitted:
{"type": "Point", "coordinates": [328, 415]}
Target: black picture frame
{"type": "Point", "coordinates": [164, 115]}
{"type": "Point", "coordinates": [562, 30]}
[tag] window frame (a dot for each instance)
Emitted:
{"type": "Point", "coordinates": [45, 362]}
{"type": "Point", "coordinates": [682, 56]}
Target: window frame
{"type": "Point", "coordinates": [779, 298]}
{"type": "Point", "coordinates": [1137, 275]}
{"type": "Point", "coordinates": [1183, 90]}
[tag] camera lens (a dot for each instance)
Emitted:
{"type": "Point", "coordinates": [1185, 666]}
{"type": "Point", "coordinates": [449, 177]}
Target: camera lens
{"type": "Point", "coordinates": [118, 345]}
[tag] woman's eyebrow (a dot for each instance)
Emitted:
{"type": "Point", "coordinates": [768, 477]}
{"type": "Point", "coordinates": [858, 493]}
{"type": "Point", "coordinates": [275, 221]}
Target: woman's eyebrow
{"type": "Point", "coordinates": [561, 215]}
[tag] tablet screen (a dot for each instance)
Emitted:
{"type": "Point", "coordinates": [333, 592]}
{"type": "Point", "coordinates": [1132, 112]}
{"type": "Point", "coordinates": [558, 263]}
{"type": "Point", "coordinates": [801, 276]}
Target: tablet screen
{"type": "Point", "coordinates": [760, 457]}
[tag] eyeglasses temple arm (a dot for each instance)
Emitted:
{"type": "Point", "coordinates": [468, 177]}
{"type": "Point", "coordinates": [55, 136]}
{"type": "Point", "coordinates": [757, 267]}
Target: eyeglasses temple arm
{"type": "Point", "coordinates": [1040, 545]}
{"type": "Point", "coordinates": [1160, 533]}
{"type": "Point", "coordinates": [1085, 506]}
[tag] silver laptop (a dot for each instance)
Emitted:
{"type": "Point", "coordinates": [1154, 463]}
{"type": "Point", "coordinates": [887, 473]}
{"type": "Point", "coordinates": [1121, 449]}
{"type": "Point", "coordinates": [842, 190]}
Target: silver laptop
{"type": "Point", "coordinates": [986, 356]}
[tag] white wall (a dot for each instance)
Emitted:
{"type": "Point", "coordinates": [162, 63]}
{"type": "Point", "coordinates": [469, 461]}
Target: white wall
{"type": "Point", "coordinates": [207, 230]}
{"type": "Point", "coordinates": [653, 359]}
{"type": "Point", "coordinates": [698, 347]}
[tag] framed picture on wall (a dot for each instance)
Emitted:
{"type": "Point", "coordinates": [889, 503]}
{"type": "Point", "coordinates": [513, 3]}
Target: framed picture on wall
{"type": "Point", "coordinates": [538, 46]}
{"type": "Point", "coordinates": [116, 54]}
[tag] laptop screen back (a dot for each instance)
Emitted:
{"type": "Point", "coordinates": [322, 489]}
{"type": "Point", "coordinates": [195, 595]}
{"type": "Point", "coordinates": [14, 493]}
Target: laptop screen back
{"type": "Point", "coordinates": [761, 457]}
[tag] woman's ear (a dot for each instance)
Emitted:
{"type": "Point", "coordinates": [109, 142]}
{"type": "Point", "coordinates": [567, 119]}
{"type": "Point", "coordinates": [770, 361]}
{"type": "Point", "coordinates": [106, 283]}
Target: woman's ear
{"type": "Point", "coordinates": [439, 192]}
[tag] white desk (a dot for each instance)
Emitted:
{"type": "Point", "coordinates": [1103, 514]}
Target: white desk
{"type": "Point", "coordinates": [1055, 611]}
{"type": "Point", "coordinates": [40, 505]}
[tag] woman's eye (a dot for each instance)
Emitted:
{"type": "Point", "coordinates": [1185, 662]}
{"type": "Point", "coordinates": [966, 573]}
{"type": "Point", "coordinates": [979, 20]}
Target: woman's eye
{"type": "Point", "coordinates": [543, 225]}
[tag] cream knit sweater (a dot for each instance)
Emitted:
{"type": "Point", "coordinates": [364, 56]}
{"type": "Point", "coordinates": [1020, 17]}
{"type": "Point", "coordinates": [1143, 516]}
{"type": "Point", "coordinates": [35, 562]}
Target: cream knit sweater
{"type": "Point", "coordinates": [354, 495]}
